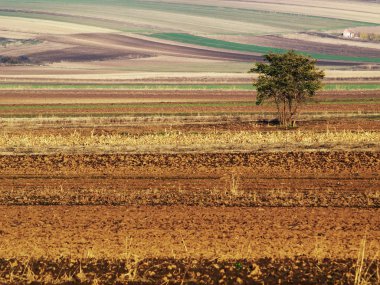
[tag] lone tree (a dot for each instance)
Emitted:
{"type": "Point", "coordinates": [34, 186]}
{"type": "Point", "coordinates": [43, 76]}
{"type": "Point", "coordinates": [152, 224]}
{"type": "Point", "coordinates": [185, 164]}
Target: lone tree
{"type": "Point", "coordinates": [289, 79]}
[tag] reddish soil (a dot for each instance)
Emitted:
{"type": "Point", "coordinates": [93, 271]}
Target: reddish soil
{"type": "Point", "coordinates": [143, 125]}
{"type": "Point", "coordinates": [255, 164]}
{"type": "Point", "coordinates": [141, 103]}
{"type": "Point", "coordinates": [298, 217]}
{"type": "Point", "coordinates": [179, 231]}
{"type": "Point", "coordinates": [311, 179]}
{"type": "Point", "coordinates": [192, 191]}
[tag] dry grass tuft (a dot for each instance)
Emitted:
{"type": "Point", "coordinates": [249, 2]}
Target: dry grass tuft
{"type": "Point", "coordinates": [363, 273]}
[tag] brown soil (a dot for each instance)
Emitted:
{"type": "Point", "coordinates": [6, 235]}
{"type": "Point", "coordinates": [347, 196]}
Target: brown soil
{"type": "Point", "coordinates": [185, 115]}
{"type": "Point", "coordinates": [197, 218]}
{"type": "Point", "coordinates": [199, 124]}
{"type": "Point", "coordinates": [256, 164]}
{"type": "Point", "coordinates": [314, 179]}
{"type": "Point", "coordinates": [180, 232]}
{"type": "Point", "coordinates": [243, 218]}
{"type": "Point", "coordinates": [80, 54]}
{"type": "Point", "coordinates": [193, 191]}
{"type": "Point", "coordinates": [300, 270]}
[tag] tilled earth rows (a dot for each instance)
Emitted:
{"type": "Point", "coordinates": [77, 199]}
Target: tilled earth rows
{"type": "Point", "coordinates": [200, 218]}
{"type": "Point", "coordinates": [300, 164]}
{"type": "Point", "coordinates": [167, 244]}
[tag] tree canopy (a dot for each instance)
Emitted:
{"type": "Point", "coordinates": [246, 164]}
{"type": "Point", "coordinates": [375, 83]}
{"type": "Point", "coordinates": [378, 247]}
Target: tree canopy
{"type": "Point", "coordinates": [289, 79]}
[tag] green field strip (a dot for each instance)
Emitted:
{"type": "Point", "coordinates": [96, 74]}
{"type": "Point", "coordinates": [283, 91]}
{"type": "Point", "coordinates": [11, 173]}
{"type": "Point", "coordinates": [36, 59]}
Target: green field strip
{"type": "Point", "coordinates": [203, 41]}
{"type": "Point", "coordinates": [163, 87]}
{"type": "Point", "coordinates": [351, 86]}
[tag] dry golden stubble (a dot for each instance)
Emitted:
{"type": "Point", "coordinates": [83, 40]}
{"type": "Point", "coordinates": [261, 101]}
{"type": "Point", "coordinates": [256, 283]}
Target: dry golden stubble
{"type": "Point", "coordinates": [185, 141]}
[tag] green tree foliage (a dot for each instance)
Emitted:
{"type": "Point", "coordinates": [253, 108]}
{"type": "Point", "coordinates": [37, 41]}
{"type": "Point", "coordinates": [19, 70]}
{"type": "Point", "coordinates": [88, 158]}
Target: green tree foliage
{"type": "Point", "coordinates": [289, 80]}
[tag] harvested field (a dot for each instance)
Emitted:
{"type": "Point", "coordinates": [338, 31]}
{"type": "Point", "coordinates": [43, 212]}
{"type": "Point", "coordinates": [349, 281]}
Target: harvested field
{"type": "Point", "coordinates": [176, 141]}
{"type": "Point", "coordinates": [128, 126]}
{"type": "Point", "coordinates": [186, 217]}
{"type": "Point", "coordinates": [132, 150]}
{"type": "Point", "coordinates": [113, 103]}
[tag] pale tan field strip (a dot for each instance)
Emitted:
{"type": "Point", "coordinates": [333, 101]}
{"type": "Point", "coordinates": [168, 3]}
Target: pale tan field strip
{"type": "Point", "coordinates": [194, 142]}
{"type": "Point", "coordinates": [353, 10]}
{"type": "Point", "coordinates": [30, 26]}
{"type": "Point", "coordinates": [56, 75]}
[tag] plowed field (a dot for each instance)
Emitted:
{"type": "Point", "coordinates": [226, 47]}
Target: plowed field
{"type": "Point", "coordinates": [311, 179]}
{"type": "Point", "coordinates": [162, 231]}
{"type": "Point", "coordinates": [81, 215]}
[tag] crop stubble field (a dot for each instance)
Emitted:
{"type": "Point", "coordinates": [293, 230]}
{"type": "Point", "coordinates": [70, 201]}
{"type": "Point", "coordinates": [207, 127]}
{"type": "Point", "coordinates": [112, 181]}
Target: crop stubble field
{"type": "Point", "coordinates": [203, 192]}
{"type": "Point", "coordinates": [132, 150]}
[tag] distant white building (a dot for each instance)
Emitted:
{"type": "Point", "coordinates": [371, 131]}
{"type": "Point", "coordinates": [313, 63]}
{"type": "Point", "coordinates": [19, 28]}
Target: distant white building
{"type": "Point", "coordinates": [348, 34]}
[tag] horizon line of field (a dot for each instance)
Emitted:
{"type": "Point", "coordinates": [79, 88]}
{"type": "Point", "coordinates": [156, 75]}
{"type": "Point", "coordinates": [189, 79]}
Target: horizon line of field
{"type": "Point", "coordinates": [177, 86]}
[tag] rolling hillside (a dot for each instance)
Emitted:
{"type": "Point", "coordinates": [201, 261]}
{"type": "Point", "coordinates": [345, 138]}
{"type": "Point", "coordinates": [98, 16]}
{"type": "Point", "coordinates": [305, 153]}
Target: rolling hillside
{"type": "Point", "coordinates": [181, 36]}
